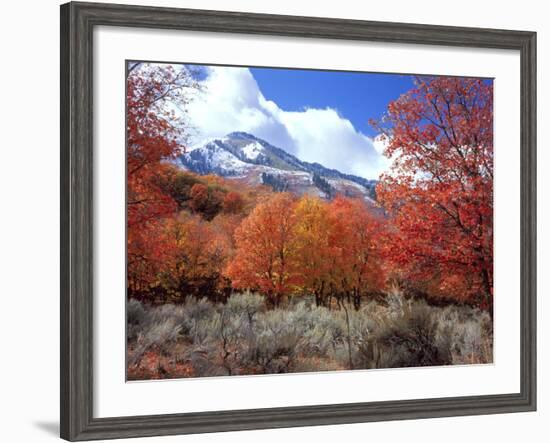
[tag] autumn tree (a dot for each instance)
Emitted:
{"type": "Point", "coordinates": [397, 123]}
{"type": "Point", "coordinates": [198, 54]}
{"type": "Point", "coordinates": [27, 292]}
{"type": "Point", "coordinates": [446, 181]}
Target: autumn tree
{"type": "Point", "coordinates": [199, 253]}
{"type": "Point", "coordinates": [178, 183]}
{"type": "Point", "coordinates": [265, 256]}
{"type": "Point", "coordinates": [199, 197]}
{"type": "Point", "coordinates": [355, 236]}
{"type": "Point", "coordinates": [233, 203]}
{"type": "Point", "coordinates": [439, 192]}
{"type": "Point", "coordinates": [154, 134]}
{"type": "Point", "coordinates": [150, 251]}
{"type": "Point", "coordinates": [206, 200]}
{"type": "Point", "coordinates": [313, 250]}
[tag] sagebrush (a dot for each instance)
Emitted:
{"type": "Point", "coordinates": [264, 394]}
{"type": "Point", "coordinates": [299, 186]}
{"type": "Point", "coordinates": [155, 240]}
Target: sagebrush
{"type": "Point", "coordinates": [243, 336]}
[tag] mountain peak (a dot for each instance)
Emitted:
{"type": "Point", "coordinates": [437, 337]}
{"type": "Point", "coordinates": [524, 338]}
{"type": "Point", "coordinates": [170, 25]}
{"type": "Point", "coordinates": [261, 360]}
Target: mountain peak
{"type": "Point", "coordinates": [241, 135]}
{"type": "Point", "coordinates": [245, 156]}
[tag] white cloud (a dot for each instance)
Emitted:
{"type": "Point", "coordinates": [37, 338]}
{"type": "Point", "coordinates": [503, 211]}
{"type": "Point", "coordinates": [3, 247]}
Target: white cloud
{"type": "Point", "coordinates": [380, 143]}
{"type": "Point", "coordinates": [232, 101]}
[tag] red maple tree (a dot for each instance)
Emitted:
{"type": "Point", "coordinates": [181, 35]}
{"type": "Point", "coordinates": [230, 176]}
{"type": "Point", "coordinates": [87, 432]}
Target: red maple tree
{"type": "Point", "coordinates": [439, 192]}
{"type": "Point", "coordinates": [154, 135]}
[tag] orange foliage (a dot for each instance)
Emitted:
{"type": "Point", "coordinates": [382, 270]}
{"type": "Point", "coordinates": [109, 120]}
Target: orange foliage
{"type": "Point", "coordinates": [266, 249]}
{"type": "Point", "coordinates": [199, 255]}
{"type": "Point", "coordinates": [356, 242]}
{"type": "Point", "coordinates": [291, 246]}
{"type": "Point", "coordinates": [233, 203]}
{"type": "Point", "coordinates": [314, 250]}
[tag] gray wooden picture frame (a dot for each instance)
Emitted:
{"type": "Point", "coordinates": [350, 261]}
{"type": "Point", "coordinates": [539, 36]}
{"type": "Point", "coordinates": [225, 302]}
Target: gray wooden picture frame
{"type": "Point", "coordinates": [77, 24]}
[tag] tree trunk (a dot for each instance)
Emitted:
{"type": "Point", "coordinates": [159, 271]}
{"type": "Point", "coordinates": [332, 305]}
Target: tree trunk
{"type": "Point", "coordinates": [356, 299]}
{"type": "Point", "coordinates": [488, 291]}
{"type": "Point", "coordinates": [349, 334]}
{"type": "Point", "coordinates": [317, 299]}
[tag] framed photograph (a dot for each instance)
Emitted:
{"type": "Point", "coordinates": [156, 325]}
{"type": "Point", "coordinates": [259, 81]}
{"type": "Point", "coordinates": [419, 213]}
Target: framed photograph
{"type": "Point", "coordinates": [274, 221]}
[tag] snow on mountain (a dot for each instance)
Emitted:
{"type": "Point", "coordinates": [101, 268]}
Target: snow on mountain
{"type": "Point", "coordinates": [244, 156]}
{"type": "Point", "coordinates": [252, 150]}
{"type": "Point", "coordinates": [213, 158]}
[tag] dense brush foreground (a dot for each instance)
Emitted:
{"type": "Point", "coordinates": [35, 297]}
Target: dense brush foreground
{"type": "Point", "coordinates": [243, 336]}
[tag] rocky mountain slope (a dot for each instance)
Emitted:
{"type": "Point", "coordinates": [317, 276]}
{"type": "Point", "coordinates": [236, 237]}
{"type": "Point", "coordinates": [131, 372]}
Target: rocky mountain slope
{"type": "Point", "coordinates": [244, 156]}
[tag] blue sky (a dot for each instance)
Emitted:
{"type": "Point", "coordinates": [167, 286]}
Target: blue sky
{"type": "Point", "coordinates": [357, 96]}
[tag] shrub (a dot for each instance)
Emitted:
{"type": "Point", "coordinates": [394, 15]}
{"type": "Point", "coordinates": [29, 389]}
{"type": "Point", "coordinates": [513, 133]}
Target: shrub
{"type": "Point", "coordinates": [135, 317]}
{"type": "Point", "coordinates": [403, 334]}
{"type": "Point", "coordinates": [199, 338]}
{"type": "Point", "coordinates": [160, 335]}
{"type": "Point", "coordinates": [134, 312]}
{"type": "Point", "coordinates": [274, 342]}
{"type": "Point", "coordinates": [469, 332]}
{"type": "Point", "coordinates": [246, 305]}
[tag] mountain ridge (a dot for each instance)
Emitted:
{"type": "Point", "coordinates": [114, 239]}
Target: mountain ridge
{"type": "Point", "coordinates": [245, 156]}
